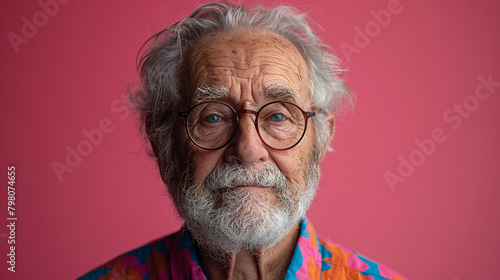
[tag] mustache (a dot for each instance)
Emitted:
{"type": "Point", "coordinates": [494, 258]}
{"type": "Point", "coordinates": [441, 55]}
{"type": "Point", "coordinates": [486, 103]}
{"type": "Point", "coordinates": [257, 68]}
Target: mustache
{"type": "Point", "coordinates": [230, 175]}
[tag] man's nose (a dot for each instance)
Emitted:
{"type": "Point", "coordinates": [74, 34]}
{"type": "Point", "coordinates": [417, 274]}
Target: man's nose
{"type": "Point", "coordinates": [246, 146]}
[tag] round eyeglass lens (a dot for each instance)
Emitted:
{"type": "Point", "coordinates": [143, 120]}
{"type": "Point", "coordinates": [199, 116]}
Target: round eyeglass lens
{"type": "Point", "coordinates": [211, 125]}
{"type": "Point", "coordinates": [281, 125]}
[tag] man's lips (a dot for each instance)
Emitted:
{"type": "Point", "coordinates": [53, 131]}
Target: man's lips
{"type": "Point", "coordinates": [243, 187]}
{"type": "Point", "coordinates": [250, 186]}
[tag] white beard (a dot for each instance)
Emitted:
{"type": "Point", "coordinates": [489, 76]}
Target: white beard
{"type": "Point", "coordinates": [225, 219]}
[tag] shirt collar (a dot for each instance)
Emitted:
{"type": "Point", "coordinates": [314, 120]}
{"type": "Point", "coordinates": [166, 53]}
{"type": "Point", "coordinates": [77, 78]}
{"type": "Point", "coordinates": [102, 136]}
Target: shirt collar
{"type": "Point", "coordinates": [185, 264]}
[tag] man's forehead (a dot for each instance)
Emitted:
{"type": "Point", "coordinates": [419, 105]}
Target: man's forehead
{"type": "Point", "coordinates": [242, 53]}
{"type": "Point", "coordinates": [269, 63]}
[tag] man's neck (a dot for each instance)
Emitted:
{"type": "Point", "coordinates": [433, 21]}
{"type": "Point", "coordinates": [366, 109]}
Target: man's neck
{"type": "Point", "coordinates": [271, 263]}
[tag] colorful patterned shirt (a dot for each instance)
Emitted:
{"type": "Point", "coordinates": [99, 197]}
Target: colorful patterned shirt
{"type": "Point", "coordinates": [173, 257]}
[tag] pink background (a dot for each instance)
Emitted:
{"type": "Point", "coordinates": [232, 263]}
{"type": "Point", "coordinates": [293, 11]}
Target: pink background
{"type": "Point", "coordinates": [440, 223]}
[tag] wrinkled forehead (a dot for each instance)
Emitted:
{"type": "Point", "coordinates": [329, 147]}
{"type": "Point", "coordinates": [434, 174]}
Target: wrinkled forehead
{"type": "Point", "coordinates": [253, 40]}
{"type": "Point", "coordinates": [261, 57]}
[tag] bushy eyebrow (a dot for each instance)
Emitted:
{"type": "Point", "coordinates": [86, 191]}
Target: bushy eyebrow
{"type": "Point", "coordinates": [207, 93]}
{"type": "Point", "coordinates": [282, 93]}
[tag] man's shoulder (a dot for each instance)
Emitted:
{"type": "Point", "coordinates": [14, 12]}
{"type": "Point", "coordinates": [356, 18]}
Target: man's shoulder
{"type": "Point", "coordinates": [326, 259]}
{"type": "Point", "coordinates": [338, 257]}
{"type": "Point", "coordinates": [136, 264]}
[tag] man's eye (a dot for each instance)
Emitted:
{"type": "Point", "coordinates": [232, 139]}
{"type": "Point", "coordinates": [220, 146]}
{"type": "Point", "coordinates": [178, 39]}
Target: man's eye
{"type": "Point", "coordinates": [277, 117]}
{"type": "Point", "coordinates": [212, 118]}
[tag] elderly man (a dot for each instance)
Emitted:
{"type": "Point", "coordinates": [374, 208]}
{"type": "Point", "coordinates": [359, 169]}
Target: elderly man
{"type": "Point", "coordinates": [237, 105]}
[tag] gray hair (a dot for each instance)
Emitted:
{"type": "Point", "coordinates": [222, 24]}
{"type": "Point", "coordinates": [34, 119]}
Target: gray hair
{"type": "Point", "coordinates": [159, 96]}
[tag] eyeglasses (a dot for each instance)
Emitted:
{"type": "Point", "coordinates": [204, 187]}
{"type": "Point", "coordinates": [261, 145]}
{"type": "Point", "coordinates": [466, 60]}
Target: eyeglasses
{"type": "Point", "coordinates": [212, 125]}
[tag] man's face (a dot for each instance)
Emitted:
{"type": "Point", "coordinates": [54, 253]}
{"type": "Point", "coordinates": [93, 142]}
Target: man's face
{"type": "Point", "coordinates": [247, 66]}
{"type": "Point", "coordinates": [246, 63]}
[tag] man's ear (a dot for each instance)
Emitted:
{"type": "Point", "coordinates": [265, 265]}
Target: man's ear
{"type": "Point", "coordinates": [330, 119]}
